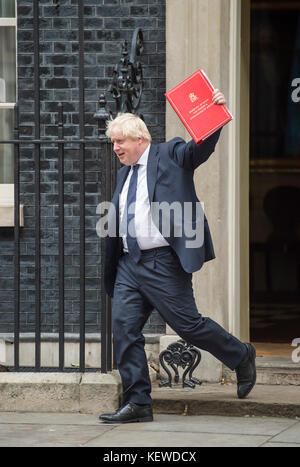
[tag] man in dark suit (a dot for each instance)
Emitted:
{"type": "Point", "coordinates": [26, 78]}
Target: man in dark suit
{"type": "Point", "coordinates": [158, 236]}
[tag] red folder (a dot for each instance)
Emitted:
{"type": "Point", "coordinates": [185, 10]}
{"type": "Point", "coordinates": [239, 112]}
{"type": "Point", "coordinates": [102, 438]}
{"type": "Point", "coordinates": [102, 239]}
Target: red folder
{"type": "Point", "coordinates": [192, 101]}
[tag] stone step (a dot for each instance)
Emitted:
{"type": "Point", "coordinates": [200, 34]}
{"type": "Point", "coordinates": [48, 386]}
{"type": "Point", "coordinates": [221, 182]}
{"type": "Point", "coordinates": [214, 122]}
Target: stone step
{"type": "Point", "coordinates": [271, 371]}
{"type": "Point", "coordinates": [221, 399]}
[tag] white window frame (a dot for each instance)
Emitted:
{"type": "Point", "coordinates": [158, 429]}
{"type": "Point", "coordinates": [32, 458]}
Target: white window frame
{"type": "Point", "coordinates": [7, 190]}
{"type": "Point", "coordinates": [10, 22]}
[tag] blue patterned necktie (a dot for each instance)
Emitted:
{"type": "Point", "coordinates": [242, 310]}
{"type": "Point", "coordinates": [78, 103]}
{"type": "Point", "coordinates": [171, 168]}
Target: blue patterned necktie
{"type": "Point", "coordinates": [132, 244]}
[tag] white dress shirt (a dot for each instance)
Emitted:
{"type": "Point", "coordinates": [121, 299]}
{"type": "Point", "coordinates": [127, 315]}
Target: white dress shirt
{"type": "Point", "coordinates": [147, 234]}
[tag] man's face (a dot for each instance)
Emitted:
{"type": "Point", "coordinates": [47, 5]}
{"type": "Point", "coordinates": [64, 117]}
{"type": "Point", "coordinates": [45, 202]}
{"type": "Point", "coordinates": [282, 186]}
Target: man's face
{"type": "Point", "coordinates": [127, 149]}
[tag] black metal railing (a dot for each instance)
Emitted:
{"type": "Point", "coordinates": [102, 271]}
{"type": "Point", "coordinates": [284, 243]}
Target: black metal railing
{"type": "Point", "coordinates": [109, 172]}
{"type": "Point", "coordinates": [126, 90]}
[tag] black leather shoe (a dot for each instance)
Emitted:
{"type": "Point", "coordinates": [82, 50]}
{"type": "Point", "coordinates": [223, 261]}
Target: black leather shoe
{"type": "Point", "coordinates": [246, 373]}
{"type": "Point", "coordinates": [129, 413]}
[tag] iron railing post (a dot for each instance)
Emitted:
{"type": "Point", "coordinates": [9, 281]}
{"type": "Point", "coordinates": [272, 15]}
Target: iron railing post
{"type": "Point", "coordinates": [61, 274]}
{"type": "Point", "coordinates": [16, 241]}
{"type": "Point", "coordinates": [36, 40]}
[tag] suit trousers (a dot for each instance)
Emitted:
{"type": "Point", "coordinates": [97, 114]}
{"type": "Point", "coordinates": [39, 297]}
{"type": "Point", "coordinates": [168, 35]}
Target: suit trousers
{"type": "Point", "coordinates": [159, 282]}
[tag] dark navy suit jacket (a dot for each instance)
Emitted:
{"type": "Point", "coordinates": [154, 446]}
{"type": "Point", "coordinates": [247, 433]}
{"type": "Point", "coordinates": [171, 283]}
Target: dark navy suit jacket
{"type": "Point", "coordinates": [170, 178]}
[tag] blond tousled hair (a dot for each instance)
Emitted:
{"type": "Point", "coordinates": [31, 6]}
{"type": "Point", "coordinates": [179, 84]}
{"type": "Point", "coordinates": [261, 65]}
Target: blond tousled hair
{"type": "Point", "coordinates": [130, 125]}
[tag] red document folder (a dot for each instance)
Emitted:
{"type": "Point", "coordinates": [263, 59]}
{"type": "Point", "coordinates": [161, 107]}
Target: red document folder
{"type": "Point", "coordinates": [192, 101]}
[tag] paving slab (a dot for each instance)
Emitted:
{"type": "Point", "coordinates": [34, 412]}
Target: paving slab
{"type": "Point", "coordinates": [167, 431]}
{"type": "Point", "coordinates": [174, 440]}
{"type": "Point", "coordinates": [291, 434]}
{"type": "Point", "coordinates": [37, 435]}
{"type": "Point", "coordinates": [280, 445]}
{"type": "Point", "coordinates": [200, 424]}
{"type": "Point", "coordinates": [41, 418]}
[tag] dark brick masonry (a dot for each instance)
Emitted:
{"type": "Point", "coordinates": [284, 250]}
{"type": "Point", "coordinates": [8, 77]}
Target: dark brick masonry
{"type": "Point", "coordinates": [107, 23]}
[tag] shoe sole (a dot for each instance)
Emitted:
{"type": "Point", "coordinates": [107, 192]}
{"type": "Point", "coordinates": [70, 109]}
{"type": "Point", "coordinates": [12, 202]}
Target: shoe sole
{"type": "Point", "coordinates": [248, 392]}
{"type": "Point", "coordinates": [136, 420]}
{"type": "Point", "coordinates": [253, 356]}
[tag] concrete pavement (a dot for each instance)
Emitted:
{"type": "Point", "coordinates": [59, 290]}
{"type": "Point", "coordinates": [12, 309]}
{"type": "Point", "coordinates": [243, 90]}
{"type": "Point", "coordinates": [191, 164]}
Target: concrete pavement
{"type": "Point", "coordinates": [170, 431]}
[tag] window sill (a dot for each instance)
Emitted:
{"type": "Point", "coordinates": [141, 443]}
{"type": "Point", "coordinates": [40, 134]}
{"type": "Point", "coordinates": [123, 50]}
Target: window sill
{"type": "Point", "coordinates": [7, 215]}
{"type": "Point", "coordinates": [7, 208]}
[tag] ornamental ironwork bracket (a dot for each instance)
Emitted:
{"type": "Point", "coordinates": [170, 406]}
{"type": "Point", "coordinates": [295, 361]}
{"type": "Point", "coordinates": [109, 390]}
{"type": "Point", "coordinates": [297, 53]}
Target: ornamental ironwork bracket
{"type": "Point", "coordinates": [127, 82]}
{"type": "Point", "coordinates": [184, 355]}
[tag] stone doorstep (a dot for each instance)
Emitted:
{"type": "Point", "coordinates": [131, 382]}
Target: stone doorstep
{"type": "Point", "coordinates": [276, 393]}
{"type": "Point", "coordinates": [221, 399]}
{"type": "Point", "coordinates": [271, 370]}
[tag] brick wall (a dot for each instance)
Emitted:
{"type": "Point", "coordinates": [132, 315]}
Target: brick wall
{"type": "Point", "coordinates": [106, 23]}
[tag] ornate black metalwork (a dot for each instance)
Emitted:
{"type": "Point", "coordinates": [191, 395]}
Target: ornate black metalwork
{"type": "Point", "coordinates": [102, 115]}
{"type": "Point", "coordinates": [184, 355]}
{"type": "Point", "coordinates": [127, 83]}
